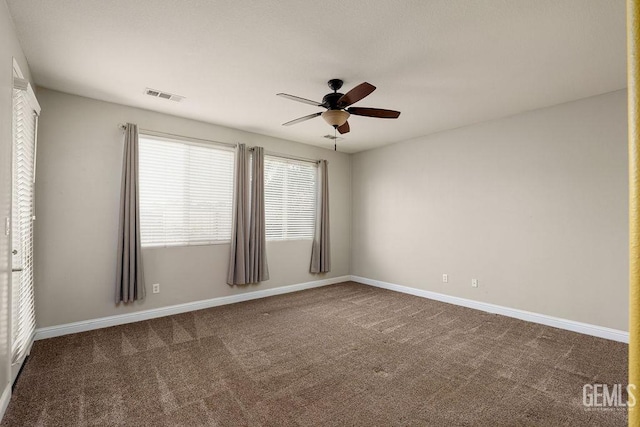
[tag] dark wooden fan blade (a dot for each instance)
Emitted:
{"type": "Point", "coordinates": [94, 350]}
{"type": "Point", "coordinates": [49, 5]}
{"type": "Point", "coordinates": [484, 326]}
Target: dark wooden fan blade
{"type": "Point", "coordinates": [297, 98]}
{"type": "Point", "coordinates": [302, 119]}
{"type": "Point", "coordinates": [344, 128]}
{"type": "Point", "coordinates": [374, 112]}
{"type": "Point", "coordinates": [356, 94]}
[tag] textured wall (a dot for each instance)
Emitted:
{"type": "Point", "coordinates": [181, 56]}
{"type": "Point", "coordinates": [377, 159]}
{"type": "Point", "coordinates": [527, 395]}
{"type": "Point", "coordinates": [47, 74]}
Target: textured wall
{"type": "Point", "coordinates": [534, 206]}
{"type": "Point", "coordinates": [78, 186]}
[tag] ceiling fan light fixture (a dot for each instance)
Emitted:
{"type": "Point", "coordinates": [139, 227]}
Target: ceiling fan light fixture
{"type": "Point", "coordinates": [335, 118]}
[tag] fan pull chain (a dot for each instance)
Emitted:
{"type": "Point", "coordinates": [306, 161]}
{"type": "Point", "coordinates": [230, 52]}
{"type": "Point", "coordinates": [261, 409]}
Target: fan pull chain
{"type": "Point", "coordinates": [335, 138]}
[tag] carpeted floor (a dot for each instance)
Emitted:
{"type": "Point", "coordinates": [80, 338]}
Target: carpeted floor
{"type": "Point", "coordinates": [346, 354]}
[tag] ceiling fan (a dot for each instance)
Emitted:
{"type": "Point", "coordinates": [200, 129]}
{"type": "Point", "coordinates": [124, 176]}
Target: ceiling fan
{"type": "Point", "coordinates": [338, 107]}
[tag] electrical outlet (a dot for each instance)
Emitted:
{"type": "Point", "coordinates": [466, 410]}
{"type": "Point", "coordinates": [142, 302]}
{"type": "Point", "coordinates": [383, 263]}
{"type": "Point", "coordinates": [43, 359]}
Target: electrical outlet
{"type": "Point", "coordinates": [156, 288]}
{"type": "Point", "coordinates": [445, 278]}
{"type": "Point", "coordinates": [474, 283]}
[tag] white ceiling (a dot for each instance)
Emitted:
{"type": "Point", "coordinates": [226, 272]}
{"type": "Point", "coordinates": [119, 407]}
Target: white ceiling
{"type": "Point", "coordinates": [443, 63]}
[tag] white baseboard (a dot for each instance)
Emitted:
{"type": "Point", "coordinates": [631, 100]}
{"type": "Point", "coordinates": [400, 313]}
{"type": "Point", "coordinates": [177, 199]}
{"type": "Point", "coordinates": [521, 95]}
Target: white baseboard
{"type": "Point", "coordinates": [4, 400]}
{"type": "Point", "coordinates": [104, 322]}
{"type": "Point", "coordinates": [121, 319]}
{"type": "Point", "coordinates": [543, 319]}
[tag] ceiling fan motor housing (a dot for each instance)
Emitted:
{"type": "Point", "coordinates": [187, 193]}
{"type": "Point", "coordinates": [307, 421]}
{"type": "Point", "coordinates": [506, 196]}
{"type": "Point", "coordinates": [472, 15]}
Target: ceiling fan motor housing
{"type": "Point", "coordinates": [330, 100]}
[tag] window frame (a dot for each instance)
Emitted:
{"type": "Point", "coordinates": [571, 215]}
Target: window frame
{"type": "Point", "coordinates": [150, 135]}
{"type": "Point", "coordinates": [289, 160]}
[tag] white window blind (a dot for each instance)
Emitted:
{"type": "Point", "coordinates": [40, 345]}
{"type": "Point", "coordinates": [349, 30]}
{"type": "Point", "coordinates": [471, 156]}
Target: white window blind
{"type": "Point", "coordinates": [185, 192]}
{"type": "Point", "coordinates": [290, 198]}
{"type": "Point", "coordinates": [23, 320]}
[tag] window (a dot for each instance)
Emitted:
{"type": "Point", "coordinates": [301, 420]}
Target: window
{"type": "Point", "coordinates": [185, 192]}
{"type": "Point", "coordinates": [289, 198]}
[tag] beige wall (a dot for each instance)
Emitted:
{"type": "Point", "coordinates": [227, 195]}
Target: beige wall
{"type": "Point", "coordinates": [78, 185]}
{"type": "Point", "coordinates": [534, 206]}
{"type": "Point", "coordinates": [9, 49]}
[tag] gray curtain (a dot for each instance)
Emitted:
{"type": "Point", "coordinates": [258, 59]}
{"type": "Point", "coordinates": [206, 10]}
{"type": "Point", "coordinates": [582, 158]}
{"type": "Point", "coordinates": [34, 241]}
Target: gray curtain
{"type": "Point", "coordinates": [129, 275]}
{"type": "Point", "coordinates": [258, 268]}
{"type": "Point", "coordinates": [321, 250]}
{"type": "Point", "coordinates": [239, 254]}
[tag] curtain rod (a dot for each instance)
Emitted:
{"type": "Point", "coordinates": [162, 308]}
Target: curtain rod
{"type": "Point", "coordinates": [226, 144]}
{"type": "Point", "coordinates": [288, 156]}
{"type": "Point", "coordinates": [186, 138]}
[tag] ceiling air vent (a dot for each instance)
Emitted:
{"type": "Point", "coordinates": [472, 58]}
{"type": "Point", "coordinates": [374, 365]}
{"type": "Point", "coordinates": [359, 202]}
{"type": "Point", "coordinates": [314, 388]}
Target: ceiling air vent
{"type": "Point", "coordinates": [333, 138]}
{"type": "Point", "coordinates": [163, 95]}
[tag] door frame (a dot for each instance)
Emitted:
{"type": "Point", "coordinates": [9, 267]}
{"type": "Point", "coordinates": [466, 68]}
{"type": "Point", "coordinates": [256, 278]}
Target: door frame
{"type": "Point", "coordinates": [19, 82]}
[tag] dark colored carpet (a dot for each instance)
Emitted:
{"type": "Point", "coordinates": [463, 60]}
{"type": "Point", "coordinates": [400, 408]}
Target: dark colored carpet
{"type": "Point", "coordinates": [347, 354]}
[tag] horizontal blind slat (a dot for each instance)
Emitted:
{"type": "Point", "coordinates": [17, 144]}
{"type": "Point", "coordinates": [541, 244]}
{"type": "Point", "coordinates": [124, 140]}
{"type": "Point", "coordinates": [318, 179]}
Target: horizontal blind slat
{"type": "Point", "coordinates": [185, 193]}
{"type": "Point", "coordinates": [290, 198]}
{"type": "Point", "coordinates": [23, 307]}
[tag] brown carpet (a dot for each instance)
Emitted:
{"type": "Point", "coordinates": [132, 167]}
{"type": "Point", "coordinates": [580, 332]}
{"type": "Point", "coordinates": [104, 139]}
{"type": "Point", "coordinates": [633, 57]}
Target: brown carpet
{"type": "Point", "coordinates": [346, 354]}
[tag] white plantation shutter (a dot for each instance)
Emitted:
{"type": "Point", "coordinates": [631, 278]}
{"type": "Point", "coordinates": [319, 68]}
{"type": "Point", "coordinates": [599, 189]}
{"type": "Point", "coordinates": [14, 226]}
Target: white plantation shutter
{"type": "Point", "coordinates": [289, 198]}
{"type": "Point", "coordinates": [23, 319]}
{"type": "Point", "coordinates": [185, 192]}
